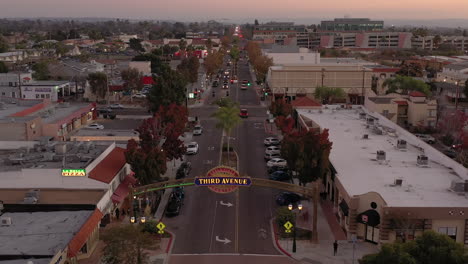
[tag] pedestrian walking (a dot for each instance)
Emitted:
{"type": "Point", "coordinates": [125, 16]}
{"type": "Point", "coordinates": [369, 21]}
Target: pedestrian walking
{"type": "Point", "coordinates": [117, 213]}
{"type": "Point", "coordinates": [335, 248]}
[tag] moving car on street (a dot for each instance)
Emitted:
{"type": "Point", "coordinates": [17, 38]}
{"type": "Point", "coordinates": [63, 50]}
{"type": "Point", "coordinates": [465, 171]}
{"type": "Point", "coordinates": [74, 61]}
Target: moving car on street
{"type": "Point", "coordinates": [271, 141]}
{"type": "Point", "coordinates": [286, 198]}
{"type": "Point", "coordinates": [269, 156]}
{"type": "Point", "coordinates": [192, 148]}
{"type": "Point", "coordinates": [244, 113]}
{"type": "Point", "coordinates": [243, 86]}
{"type": "Point", "coordinates": [277, 162]}
{"type": "Point", "coordinates": [272, 150]}
{"type": "Point", "coordinates": [116, 106]}
{"type": "Point", "coordinates": [426, 138]}
{"type": "Point", "coordinates": [139, 95]}
{"type": "Point", "coordinates": [184, 170]}
{"type": "Point", "coordinates": [96, 126]}
{"type": "Point", "coordinates": [280, 176]}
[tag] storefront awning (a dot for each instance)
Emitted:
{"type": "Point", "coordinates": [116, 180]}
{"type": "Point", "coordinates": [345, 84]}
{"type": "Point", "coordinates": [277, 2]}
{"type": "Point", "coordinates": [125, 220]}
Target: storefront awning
{"type": "Point", "coordinates": [344, 207]}
{"type": "Point", "coordinates": [123, 189]}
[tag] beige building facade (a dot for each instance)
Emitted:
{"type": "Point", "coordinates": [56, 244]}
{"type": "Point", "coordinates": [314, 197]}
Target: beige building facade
{"type": "Point", "coordinates": [299, 80]}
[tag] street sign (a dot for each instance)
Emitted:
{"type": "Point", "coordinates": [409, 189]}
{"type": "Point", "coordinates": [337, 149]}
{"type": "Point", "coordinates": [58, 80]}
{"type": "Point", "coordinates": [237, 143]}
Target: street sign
{"type": "Point", "coordinates": [288, 226]}
{"type": "Point", "coordinates": [364, 218]}
{"type": "Point", "coordinates": [161, 227]}
{"type": "Point", "coordinates": [73, 172]}
{"type": "Point", "coordinates": [223, 179]}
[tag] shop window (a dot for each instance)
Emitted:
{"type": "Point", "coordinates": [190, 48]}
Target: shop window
{"type": "Point", "coordinates": [449, 231]}
{"type": "Point", "coordinates": [47, 96]}
{"type": "Point", "coordinates": [37, 96]}
{"type": "Point", "coordinates": [42, 96]}
{"type": "Point", "coordinates": [84, 249]}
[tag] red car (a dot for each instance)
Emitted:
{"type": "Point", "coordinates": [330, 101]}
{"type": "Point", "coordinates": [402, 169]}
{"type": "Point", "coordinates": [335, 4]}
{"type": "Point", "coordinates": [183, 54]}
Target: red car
{"type": "Point", "coordinates": [243, 113]}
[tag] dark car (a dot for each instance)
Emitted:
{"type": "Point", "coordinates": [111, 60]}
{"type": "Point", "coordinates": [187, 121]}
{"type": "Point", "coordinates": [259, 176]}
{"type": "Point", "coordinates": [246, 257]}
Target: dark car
{"type": "Point", "coordinates": [277, 168]}
{"type": "Point", "coordinates": [173, 206]}
{"type": "Point", "coordinates": [450, 153]}
{"type": "Point", "coordinates": [184, 170]}
{"type": "Point", "coordinates": [286, 198]}
{"type": "Point", "coordinates": [215, 84]}
{"type": "Point", "coordinates": [280, 176]}
{"type": "Point", "coordinates": [179, 193]}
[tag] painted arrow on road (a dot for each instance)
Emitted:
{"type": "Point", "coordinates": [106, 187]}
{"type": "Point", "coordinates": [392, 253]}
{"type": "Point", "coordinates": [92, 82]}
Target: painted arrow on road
{"type": "Point", "coordinates": [225, 241]}
{"type": "Point", "coordinates": [225, 204]}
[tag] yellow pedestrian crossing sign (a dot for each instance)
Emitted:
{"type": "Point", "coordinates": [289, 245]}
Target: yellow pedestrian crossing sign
{"type": "Point", "coordinates": [288, 226]}
{"type": "Point", "coordinates": [161, 227]}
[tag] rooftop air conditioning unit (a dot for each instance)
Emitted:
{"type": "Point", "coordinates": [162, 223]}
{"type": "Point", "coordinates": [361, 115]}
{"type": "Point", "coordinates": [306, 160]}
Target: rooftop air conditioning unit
{"type": "Point", "coordinates": [423, 160]}
{"type": "Point", "coordinates": [377, 130]}
{"type": "Point", "coordinates": [370, 121]}
{"type": "Point", "coordinates": [30, 200]}
{"type": "Point", "coordinates": [381, 155]}
{"type": "Point", "coordinates": [5, 221]}
{"type": "Point", "coordinates": [401, 145]}
{"type": "Point", "coordinates": [362, 115]}
{"type": "Point", "coordinates": [33, 193]}
{"type": "Point", "coordinates": [459, 186]}
{"type": "Point", "coordinates": [365, 136]}
{"type": "Point", "coordinates": [61, 148]}
{"type": "Point", "coordinates": [398, 182]}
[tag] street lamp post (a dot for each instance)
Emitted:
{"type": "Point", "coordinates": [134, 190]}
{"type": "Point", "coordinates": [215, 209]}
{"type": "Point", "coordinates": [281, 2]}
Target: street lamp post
{"type": "Point", "coordinates": [290, 207]}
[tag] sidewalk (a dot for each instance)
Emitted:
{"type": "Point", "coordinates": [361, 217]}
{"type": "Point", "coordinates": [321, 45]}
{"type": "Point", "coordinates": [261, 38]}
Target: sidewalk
{"type": "Point", "coordinates": [328, 231]}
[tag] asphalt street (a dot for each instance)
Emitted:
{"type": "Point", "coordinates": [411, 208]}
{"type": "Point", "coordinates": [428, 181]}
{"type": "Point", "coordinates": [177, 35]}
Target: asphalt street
{"type": "Point", "coordinates": [239, 222]}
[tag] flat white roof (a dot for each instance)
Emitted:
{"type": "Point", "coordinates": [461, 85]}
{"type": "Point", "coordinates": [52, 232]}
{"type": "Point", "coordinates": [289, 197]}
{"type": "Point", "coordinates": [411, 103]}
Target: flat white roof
{"type": "Point", "coordinates": [354, 159]}
{"type": "Point", "coordinates": [40, 233]}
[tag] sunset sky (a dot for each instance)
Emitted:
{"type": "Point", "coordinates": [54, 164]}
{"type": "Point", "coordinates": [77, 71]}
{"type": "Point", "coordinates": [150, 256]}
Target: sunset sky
{"type": "Point", "coordinates": [237, 9]}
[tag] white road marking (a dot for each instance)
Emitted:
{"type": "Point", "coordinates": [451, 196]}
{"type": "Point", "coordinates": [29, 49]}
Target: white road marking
{"type": "Point", "coordinates": [225, 241]}
{"type": "Point", "coordinates": [225, 204]}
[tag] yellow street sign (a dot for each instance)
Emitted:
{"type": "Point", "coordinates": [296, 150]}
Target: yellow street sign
{"type": "Point", "coordinates": [161, 227]}
{"type": "Point", "coordinates": [288, 225]}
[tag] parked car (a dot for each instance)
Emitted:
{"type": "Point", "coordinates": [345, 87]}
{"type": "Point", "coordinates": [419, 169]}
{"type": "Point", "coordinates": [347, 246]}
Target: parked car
{"type": "Point", "coordinates": [244, 113]}
{"type": "Point", "coordinates": [280, 176]}
{"type": "Point", "coordinates": [225, 86]}
{"type": "Point", "coordinates": [179, 193]}
{"type": "Point", "coordinates": [173, 206]}
{"type": "Point", "coordinates": [269, 156]}
{"type": "Point", "coordinates": [277, 168]}
{"type": "Point", "coordinates": [272, 149]}
{"type": "Point", "coordinates": [215, 84]}
{"type": "Point", "coordinates": [271, 141]}
{"type": "Point", "coordinates": [450, 153]}
{"type": "Point", "coordinates": [116, 106]}
{"type": "Point", "coordinates": [457, 146]}
{"type": "Point", "coordinates": [183, 170]}
{"type": "Point", "coordinates": [96, 126]}
{"type": "Point", "coordinates": [192, 148]}
{"type": "Point", "coordinates": [426, 138]}
{"type": "Point", "coordinates": [286, 198]}
{"type": "Point", "coordinates": [277, 162]}
{"type": "Point", "coordinates": [139, 95]}
{"type": "Point", "coordinates": [197, 130]}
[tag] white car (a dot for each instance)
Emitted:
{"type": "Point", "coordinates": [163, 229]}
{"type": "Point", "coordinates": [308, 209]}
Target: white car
{"type": "Point", "coordinates": [269, 156]}
{"type": "Point", "coordinates": [139, 95]}
{"type": "Point", "coordinates": [271, 141]}
{"type": "Point", "coordinates": [116, 106]}
{"type": "Point", "coordinates": [426, 138]}
{"type": "Point", "coordinates": [192, 148]}
{"type": "Point", "coordinates": [272, 150]}
{"type": "Point", "coordinates": [277, 162]}
{"type": "Point", "coordinates": [197, 130]}
{"type": "Point", "coordinates": [96, 126]}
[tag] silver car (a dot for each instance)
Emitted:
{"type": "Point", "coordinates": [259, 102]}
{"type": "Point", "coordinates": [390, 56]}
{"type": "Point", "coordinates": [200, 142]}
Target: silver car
{"type": "Point", "coordinates": [192, 148]}
{"type": "Point", "coordinates": [197, 130]}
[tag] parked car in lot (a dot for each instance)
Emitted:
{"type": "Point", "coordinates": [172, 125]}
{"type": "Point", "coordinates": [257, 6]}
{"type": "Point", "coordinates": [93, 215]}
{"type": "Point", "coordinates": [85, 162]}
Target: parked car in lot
{"type": "Point", "coordinates": [197, 130]}
{"type": "Point", "coordinates": [139, 95]}
{"type": "Point", "coordinates": [277, 162]}
{"type": "Point", "coordinates": [286, 198]}
{"type": "Point", "coordinates": [426, 138]}
{"type": "Point", "coordinates": [269, 156]}
{"type": "Point", "coordinates": [280, 176]}
{"type": "Point", "coordinates": [116, 106]}
{"type": "Point", "coordinates": [271, 141]}
{"type": "Point", "coordinates": [96, 126]}
{"type": "Point", "coordinates": [192, 148]}
{"type": "Point", "coordinates": [244, 113]}
{"type": "Point", "coordinates": [183, 170]}
{"type": "Point", "coordinates": [272, 149]}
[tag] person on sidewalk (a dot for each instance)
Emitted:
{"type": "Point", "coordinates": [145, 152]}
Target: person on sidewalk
{"type": "Point", "coordinates": [335, 247]}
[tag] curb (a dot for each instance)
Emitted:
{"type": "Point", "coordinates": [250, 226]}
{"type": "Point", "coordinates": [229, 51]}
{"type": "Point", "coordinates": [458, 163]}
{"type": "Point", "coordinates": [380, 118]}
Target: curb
{"type": "Point", "coordinates": [169, 247]}
{"type": "Point", "coordinates": [275, 237]}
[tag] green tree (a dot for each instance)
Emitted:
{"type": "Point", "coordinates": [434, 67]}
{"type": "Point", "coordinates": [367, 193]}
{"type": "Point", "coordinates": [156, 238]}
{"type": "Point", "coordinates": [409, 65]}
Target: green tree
{"type": "Point", "coordinates": [183, 44]}
{"type": "Point", "coordinates": [405, 84]}
{"type": "Point", "coordinates": [169, 88]}
{"type": "Point", "coordinates": [209, 45]}
{"type": "Point", "coordinates": [132, 80]}
{"type": "Point", "coordinates": [226, 102]}
{"type": "Point", "coordinates": [235, 53]}
{"type": "Point", "coordinates": [135, 44]}
{"type": "Point", "coordinates": [411, 69]}
{"type": "Point", "coordinates": [127, 244]}
{"type": "Point", "coordinates": [3, 45]}
{"type": "Point", "coordinates": [436, 41]}
{"type": "Point", "coordinates": [329, 94]}
{"type": "Point", "coordinates": [256, 22]}
{"type": "Point", "coordinates": [213, 63]}
{"type": "Point", "coordinates": [3, 67]}
{"type": "Point", "coordinates": [280, 108]}
{"type": "Point", "coordinates": [228, 118]}
{"type": "Point", "coordinates": [261, 65]}
{"type": "Point", "coordinates": [389, 254]}
{"type": "Point", "coordinates": [189, 68]}
{"type": "Point", "coordinates": [41, 71]}
{"type": "Point", "coordinates": [98, 84]}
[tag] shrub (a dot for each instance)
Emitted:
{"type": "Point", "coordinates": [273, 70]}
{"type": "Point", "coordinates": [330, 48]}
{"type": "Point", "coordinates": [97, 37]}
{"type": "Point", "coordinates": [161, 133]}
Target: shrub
{"type": "Point", "coordinates": [283, 215]}
{"type": "Point", "coordinates": [150, 227]}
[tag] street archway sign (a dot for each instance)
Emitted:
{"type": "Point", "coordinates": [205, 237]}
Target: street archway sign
{"type": "Point", "coordinates": [223, 179]}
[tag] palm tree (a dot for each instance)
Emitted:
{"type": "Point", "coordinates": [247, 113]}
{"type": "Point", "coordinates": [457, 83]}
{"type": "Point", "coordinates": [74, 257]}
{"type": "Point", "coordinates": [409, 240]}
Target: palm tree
{"type": "Point", "coordinates": [98, 84]}
{"type": "Point", "coordinates": [328, 94]}
{"type": "Point", "coordinates": [228, 118]}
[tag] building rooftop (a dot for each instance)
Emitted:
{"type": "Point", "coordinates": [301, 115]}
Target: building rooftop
{"type": "Point", "coordinates": [40, 233]}
{"type": "Point", "coordinates": [381, 100]}
{"type": "Point", "coordinates": [458, 66]}
{"type": "Point", "coordinates": [8, 109]}
{"type": "Point", "coordinates": [45, 83]}
{"type": "Point", "coordinates": [359, 171]}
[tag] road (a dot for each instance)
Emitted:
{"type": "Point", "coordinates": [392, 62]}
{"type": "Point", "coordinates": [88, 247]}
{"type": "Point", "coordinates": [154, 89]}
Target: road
{"type": "Point", "coordinates": [208, 226]}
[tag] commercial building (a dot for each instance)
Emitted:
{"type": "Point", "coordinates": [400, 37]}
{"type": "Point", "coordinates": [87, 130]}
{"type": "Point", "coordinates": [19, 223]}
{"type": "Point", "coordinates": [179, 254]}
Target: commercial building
{"type": "Point", "coordinates": [291, 81]}
{"type": "Point", "coordinates": [385, 184]}
{"type": "Point", "coordinates": [282, 55]}
{"type": "Point", "coordinates": [53, 90]}
{"type": "Point", "coordinates": [11, 82]}
{"type": "Point", "coordinates": [374, 40]}
{"type": "Point", "coordinates": [455, 73]}
{"type": "Point", "coordinates": [412, 110]}
{"type": "Point", "coordinates": [277, 30]}
{"type": "Point", "coordinates": [351, 24]}
{"type": "Point", "coordinates": [432, 42]}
